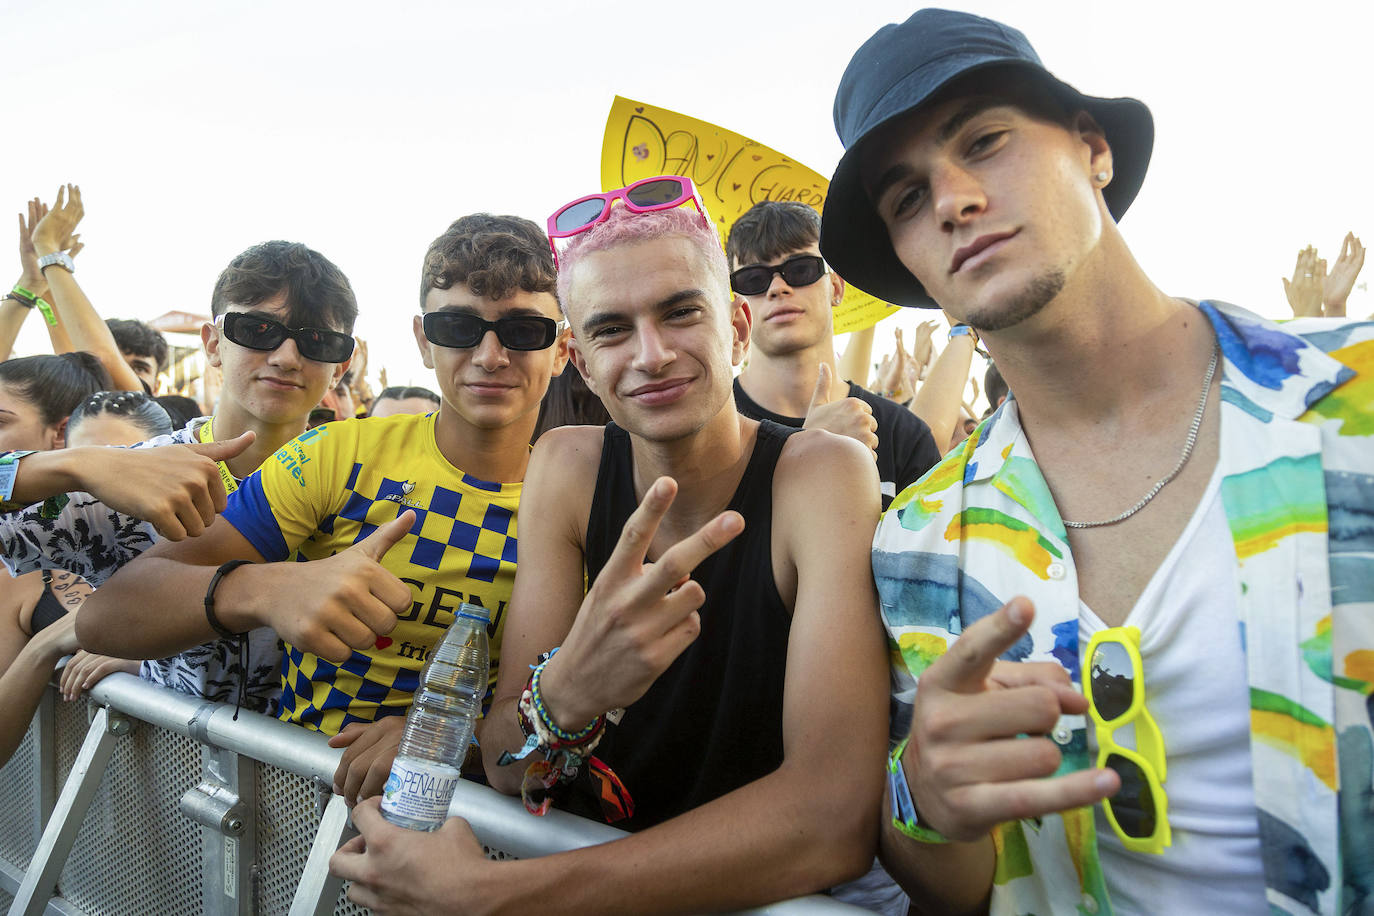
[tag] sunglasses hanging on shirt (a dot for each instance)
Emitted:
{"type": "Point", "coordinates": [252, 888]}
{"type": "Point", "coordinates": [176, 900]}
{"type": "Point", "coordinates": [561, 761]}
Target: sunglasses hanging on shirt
{"type": "Point", "coordinates": [1115, 687]}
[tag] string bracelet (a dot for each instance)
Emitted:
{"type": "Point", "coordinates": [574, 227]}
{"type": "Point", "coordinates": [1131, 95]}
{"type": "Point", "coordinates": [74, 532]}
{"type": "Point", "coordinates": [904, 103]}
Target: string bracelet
{"type": "Point", "coordinates": [240, 638]}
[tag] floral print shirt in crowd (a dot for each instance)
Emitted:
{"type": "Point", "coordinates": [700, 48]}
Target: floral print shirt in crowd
{"type": "Point", "coordinates": [1297, 465]}
{"type": "Point", "coordinates": [94, 541]}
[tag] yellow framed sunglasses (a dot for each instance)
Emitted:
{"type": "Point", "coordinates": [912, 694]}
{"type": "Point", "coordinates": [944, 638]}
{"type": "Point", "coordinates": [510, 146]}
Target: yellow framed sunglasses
{"type": "Point", "coordinates": [1115, 687]}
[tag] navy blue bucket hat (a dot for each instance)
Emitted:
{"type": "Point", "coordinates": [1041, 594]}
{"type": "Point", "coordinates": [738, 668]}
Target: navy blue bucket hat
{"type": "Point", "coordinates": [901, 68]}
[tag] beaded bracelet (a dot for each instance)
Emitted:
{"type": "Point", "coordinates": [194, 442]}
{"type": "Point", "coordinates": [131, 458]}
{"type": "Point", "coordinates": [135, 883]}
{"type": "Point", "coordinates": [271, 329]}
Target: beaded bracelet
{"type": "Point", "coordinates": [537, 701]}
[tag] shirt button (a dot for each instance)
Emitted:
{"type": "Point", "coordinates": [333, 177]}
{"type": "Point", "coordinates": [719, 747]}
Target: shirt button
{"type": "Point", "coordinates": [1056, 570]}
{"type": "Point", "coordinates": [1062, 734]}
{"type": "Point", "coordinates": [1089, 904]}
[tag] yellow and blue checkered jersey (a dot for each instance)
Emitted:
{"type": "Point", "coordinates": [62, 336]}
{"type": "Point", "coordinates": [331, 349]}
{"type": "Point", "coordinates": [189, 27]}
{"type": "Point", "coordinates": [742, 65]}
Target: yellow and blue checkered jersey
{"type": "Point", "coordinates": [335, 485]}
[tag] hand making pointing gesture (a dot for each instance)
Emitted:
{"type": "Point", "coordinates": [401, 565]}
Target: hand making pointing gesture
{"type": "Point", "coordinates": [977, 756]}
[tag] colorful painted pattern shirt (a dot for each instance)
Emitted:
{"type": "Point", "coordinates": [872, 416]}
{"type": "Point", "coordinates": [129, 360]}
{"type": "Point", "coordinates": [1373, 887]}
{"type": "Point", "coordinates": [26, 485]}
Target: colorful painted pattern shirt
{"type": "Point", "coordinates": [1297, 459]}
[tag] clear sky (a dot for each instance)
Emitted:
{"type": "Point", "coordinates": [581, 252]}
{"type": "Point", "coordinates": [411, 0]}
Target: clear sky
{"type": "Point", "coordinates": [363, 129]}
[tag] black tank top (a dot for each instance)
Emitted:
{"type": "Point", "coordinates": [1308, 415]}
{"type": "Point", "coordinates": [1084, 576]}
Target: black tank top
{"type": "Point", "coordinates": [48, 610]}
{"type": "Point", "coordinates": [713, 721]}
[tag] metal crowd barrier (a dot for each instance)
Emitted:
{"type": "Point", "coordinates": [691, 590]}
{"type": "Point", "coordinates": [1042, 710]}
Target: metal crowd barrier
{"type": "Point", "coordinates": [149, 801]}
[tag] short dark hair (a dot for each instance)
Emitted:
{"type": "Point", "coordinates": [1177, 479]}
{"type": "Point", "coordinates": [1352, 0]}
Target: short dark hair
{"type": "Point", "coordinates": [493, 255]}
{"type": "Point", "coordinates": [181, 409]}
{"type": "Point", "coordinates": [55, 384]}
{"type": "Point", "coordinates": [139, 339]}
{"type": "Point", "coordinates": [994, 386]}
{"type": "Point", "coordinates": [316, 290]}
{"type": "Point", "coordinates": [405, 392]}
{"type": "Point", "coordinates": [136, 406]}
{"type": "Point", "coordinates": [771, 228]}
{"type": "Point", "coordinates": [569, 402]}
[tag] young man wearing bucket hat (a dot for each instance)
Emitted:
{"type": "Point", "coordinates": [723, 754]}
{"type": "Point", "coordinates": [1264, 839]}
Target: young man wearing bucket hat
{"type": "Point", "coordinates": [1165, 534]}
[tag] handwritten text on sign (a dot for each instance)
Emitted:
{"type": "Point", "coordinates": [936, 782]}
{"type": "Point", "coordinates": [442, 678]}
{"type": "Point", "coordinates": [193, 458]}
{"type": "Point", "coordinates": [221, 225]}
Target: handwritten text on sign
{"type": "Point", "coordinates": [731, 171]}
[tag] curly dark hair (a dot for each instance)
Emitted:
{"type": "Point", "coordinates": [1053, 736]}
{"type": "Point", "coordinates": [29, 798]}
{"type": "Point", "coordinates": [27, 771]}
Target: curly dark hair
{"type": "Point", "coordinates": [317, 292]}
{"type": "Point", "coordinates": [495, 256]}
{"type": "Point", "coordinates": [139, 339]}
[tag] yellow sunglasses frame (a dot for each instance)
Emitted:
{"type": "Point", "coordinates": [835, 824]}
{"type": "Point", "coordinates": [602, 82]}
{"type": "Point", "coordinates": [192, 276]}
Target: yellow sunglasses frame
{"type": "Point", "coordinates": [1149, 757]}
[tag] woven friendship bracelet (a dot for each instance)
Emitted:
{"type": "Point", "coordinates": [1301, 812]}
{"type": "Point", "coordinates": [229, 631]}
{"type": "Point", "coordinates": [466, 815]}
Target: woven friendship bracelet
{"type": "Point", "coordinates": [542, 714]}
{"type": "Point", "coordinates": [550, 743]}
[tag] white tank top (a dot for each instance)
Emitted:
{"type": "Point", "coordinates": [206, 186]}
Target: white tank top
{"type": "Point", "coordinates": [1197, 690]}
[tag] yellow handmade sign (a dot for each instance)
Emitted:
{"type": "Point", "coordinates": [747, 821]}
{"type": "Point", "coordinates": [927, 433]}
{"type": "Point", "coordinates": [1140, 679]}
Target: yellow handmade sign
{"type": "Point", "coordinates": [732, 173]}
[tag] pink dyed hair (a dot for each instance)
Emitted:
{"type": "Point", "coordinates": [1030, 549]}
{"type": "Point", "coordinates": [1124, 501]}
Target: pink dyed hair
{"type": "Point", "coordinates": [624, 227]}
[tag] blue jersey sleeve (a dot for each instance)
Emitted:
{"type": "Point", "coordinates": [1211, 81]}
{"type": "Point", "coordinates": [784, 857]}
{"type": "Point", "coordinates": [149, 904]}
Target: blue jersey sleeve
{"type": "Point", "coordinates": [250, 512]}
{"type": "Point", "coordinates": [285, 501]}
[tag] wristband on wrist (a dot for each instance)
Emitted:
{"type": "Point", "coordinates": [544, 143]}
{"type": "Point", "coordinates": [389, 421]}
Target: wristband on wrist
{"type": "Point", "coordinates": [222, 630]}
{"type": "Point", "coordinates": [29, 300]}
{"type": "Point", "coordinates": [210, 615]}
{"type": "Point", "coordinates": [963, 330]}
{"type": "Point", "coordinates": [565, 754]}
{"type": "Point", "coordinates": [905, 817]}
{"type": "Point", "coordinates": [9, 469]}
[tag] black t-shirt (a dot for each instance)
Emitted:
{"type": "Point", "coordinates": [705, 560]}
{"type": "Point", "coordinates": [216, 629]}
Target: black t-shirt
{"type": "Point", "coordinates": [906, 449]}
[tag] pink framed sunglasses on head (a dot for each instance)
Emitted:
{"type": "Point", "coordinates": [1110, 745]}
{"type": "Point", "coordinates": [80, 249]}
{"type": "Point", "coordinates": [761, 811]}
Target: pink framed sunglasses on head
{"type": "Point", "coordinates": [663, 192]}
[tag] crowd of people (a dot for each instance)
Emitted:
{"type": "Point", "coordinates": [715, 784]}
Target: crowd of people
{"type": "Point", "coordinates": [793, 634]}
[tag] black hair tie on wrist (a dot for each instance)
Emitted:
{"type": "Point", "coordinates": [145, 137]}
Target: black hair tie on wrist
{"type": "Point", "coordinates": [240, 638]}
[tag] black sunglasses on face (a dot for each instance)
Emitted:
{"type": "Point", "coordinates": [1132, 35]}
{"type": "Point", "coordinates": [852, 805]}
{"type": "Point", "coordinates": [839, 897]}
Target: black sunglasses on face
{"type": "Point", "coordinates": [260, 333]}
{"type": "Point", "coordinates": [801, 270]}
{"type": "Point", "coordinates": [464, 330]}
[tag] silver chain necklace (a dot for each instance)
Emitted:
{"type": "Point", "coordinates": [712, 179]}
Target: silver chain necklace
{"type": "Point", "coordinates": [1182, 459]}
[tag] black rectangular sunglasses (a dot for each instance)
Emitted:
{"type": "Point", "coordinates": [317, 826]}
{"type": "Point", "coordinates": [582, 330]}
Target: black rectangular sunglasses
{"type": "Point", "coordinates": [801, 270]}
{"type": "Point", "coordinates": [258, 332]}
{"type": "Point", "coordinates": [465, 330]}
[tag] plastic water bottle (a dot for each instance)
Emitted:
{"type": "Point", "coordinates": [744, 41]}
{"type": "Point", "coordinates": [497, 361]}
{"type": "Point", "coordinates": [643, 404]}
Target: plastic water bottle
{"type": "Point", "coordinates": [439, 727]}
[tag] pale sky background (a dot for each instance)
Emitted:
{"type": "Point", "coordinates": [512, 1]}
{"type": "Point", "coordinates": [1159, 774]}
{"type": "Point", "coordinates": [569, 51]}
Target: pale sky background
{"type": "Point", "coordinates": [363, 129]}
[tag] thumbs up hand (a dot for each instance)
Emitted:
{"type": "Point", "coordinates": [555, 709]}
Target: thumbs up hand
{"type": "Point", "coordinates": [175, 487]}
{"type": "Point", "coordinates": [845, 417]}
{"type": "Point", "coordinates": [332, 606]}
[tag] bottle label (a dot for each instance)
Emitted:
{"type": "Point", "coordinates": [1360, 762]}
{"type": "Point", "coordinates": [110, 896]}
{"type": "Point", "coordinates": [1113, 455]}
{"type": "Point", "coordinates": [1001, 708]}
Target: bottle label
{"type": "Point", "coordinates": [420, 790]}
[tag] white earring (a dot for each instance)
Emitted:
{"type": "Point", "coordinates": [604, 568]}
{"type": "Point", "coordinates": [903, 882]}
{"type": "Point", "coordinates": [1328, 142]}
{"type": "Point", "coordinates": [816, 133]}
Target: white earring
{"type": "Point", "coordinates": [1101, 176]}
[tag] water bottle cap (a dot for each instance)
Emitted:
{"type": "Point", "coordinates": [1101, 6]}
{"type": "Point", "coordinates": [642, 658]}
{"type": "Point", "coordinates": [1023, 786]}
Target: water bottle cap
{"type": "Point", "coordinates": [473, 612]}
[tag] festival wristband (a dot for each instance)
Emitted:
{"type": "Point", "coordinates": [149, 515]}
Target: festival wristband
{"type": "Point", "coordinates": [905, 817]}
{"type": "Point", "coordinates": [963, 330]}
{"type": "Point", "coordinates": [9, 469]}
{"type": "Point", "coordinates": [28, 299]}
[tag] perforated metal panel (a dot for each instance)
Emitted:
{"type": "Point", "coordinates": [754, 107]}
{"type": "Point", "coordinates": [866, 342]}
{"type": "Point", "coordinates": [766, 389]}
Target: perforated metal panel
{"type": "Point", "coordinates": [288, 816]}
{"type": "Point", "coordinates": [19, 808]}
{"type": "Point", "coordinates": [5, 900]}
{"type": "Point", "coordinates": [136, 853]}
